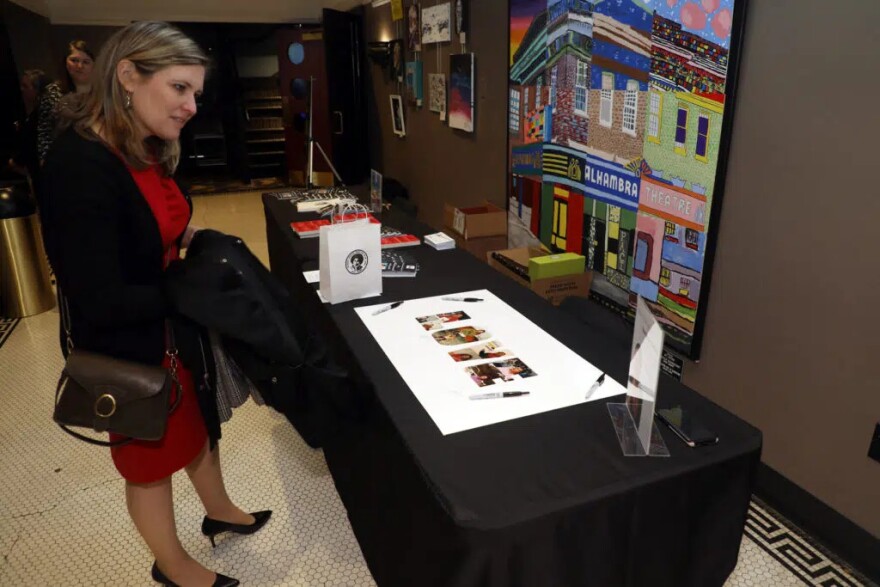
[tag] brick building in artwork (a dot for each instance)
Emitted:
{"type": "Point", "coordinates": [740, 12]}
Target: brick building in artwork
{"type": "Point", "coordinates": [567, 72]}
{"type": "Point", "coordinates": [621, 67]}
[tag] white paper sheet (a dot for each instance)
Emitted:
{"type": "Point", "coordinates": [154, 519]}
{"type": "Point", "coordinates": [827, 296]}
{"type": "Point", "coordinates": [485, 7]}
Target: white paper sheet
{"type": "Point", "coordinates": [443, 386]}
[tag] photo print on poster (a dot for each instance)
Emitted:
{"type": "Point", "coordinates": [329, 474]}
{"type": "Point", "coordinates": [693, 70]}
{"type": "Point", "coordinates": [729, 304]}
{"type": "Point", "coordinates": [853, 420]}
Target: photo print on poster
{"type": "Point", "coordinates": [437, 321]}
{"type": "Point", "coordinates": [504, 371]}
{"type": "Point", "coordinates": [462, 335]}
{"type": "Point", "coordinates": [436, 26]}
{"type": "Point", "coordinates": [489, 350]}
{"type": "Point", "coordinates": [461, 91]}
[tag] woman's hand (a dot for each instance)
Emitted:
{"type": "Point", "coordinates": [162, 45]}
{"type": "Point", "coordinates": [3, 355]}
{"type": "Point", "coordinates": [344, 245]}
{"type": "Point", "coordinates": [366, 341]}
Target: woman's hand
{"type": "Point", "coordinates": [188, 235]}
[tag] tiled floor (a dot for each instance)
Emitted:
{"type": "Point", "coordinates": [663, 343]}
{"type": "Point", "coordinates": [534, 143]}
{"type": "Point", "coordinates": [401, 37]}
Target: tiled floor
{"type": "Point", "coordinates": [63, 519]}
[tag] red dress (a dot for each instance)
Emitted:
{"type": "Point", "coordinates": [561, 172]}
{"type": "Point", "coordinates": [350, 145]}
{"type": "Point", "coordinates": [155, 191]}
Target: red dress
{"type": "Point", "coordinates": [142, 461]}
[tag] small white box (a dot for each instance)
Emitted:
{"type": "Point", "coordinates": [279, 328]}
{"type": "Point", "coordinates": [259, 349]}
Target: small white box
{"type": "Point", "coordinates": [440, 241]}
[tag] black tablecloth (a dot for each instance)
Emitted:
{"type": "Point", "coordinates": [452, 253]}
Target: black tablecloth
{"type": "Point", "coordinates": [546, 500]}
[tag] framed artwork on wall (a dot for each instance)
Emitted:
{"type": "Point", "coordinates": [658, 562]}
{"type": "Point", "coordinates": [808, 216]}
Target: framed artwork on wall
{"type": "Point", "coordinates": [396, 64]}
{"type": "Point", "coordinates": [398, 123]}
{"type": "Point", "coordinates": [461, 16]}
{"type": "Point", "coordinates": [619, 135]}
{"type": "Point", "coordinates": [396, 9]}
{"type": "Point", "coordinates": [414, 87]}
{"type": "Point", "coordinates": [413, 28]}
{"type": "Point", "coordinates": [437, 93]}
{"type": "Point", "coordinates": [436, 24]}
{"type": "Point", "coordinates": [461, 91]}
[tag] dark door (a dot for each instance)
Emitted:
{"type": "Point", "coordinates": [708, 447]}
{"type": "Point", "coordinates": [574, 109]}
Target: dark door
{"type": "Point", "coordinates": [11, 107]}
{"type": "Point", "coordinates": [344, 52]}
{"type": "Point", "coordinates": [303, 74]}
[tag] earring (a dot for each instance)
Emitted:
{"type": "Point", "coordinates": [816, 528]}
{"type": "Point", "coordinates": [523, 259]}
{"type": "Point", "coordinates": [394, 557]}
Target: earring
{"type": "Point", "coordinates": [128, 100]}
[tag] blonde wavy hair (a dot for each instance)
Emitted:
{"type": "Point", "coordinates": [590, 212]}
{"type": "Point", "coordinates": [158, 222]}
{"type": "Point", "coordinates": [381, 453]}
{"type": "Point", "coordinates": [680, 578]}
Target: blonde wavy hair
{"type": "Point", "coordinates": [151, 47]}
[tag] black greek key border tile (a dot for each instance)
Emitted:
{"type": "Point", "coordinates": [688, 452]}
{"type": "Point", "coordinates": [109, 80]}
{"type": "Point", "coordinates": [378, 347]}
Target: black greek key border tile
{"type": "Point", "coordinates": [797, 552]}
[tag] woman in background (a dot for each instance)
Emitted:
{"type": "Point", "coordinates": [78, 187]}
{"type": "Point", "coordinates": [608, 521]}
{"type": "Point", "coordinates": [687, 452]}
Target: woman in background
{"type": "Point", "coordinates": [78, 65]}
{"type": "Point", "coordinates": [114, 219]}
{"type": "Point", "coordinates": [26, 160]}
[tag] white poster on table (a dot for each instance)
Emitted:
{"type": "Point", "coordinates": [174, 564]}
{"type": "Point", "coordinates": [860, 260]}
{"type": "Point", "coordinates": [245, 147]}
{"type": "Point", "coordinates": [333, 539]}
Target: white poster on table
{"type": "Point", "coordinates": [451, 351]}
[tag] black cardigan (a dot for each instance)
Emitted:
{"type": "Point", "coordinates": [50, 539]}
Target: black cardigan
{"type": "Point", "coordinates": [104, 245]}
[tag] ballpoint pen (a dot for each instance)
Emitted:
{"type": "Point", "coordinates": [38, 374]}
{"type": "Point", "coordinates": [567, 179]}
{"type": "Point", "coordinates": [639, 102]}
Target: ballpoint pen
{"type": "Point", "coordinates": [595, 386]}
{"type": "Point", "coordinates": [457, 299]}
{"type": "Point", "coordinates": [499, 394]}
{"type": "Point", "coordinates": [390, 306]}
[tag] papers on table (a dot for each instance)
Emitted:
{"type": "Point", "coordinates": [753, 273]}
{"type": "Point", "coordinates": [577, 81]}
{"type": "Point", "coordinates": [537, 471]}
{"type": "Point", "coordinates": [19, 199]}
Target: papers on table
{"type": "Point", "coordinates": [449, 351]}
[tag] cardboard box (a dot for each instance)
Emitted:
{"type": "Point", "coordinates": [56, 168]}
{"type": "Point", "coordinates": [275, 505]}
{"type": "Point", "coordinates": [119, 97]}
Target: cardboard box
{"type": "Point", "coordinates": [479, 247]}
{"type": "Point", "coordinates": [556, 265]}
{"type": "Point", "coordinates": [515, 265]}
{"type": "Point", "coordinates": [476, 221]}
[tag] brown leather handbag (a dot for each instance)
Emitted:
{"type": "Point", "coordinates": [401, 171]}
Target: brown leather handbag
{"type": "Point", "coordinates": [107, 394]}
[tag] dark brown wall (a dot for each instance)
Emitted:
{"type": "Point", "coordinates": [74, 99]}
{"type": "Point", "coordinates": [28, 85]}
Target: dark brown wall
{"type": "Point", "coordinates": [435, 163]}
{"type": "Point", "coordinates": [791, 335]}
{"type": "Point", "coordinates": [29, 35]}
{"type": "Point", "coordinates": [37, 44]}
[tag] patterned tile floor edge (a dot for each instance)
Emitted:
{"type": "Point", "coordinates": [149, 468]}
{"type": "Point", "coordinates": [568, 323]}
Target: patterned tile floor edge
{"type": "Point", "coordinates": [797, 551]}
{"type": "Point", "coordinates": [7, 325]}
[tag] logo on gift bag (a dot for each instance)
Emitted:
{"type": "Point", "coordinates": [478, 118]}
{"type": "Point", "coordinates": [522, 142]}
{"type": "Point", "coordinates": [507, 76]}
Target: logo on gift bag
{"type": "Point", "coordinates": [356, 261]}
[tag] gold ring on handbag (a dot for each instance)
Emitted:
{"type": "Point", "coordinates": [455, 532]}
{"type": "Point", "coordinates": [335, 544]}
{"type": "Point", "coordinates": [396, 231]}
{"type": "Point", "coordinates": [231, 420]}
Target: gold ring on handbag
{"type": "Point", "coordinates": [112, 406]}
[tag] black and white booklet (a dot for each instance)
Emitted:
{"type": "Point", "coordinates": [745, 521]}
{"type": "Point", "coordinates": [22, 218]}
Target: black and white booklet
{"type": "Point", "coordinates": [398, 264]}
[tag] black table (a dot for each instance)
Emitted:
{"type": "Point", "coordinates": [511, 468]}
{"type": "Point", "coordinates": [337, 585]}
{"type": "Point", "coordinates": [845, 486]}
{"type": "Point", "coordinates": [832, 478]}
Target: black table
{"type": "Point", "coordinates": [542, 501]}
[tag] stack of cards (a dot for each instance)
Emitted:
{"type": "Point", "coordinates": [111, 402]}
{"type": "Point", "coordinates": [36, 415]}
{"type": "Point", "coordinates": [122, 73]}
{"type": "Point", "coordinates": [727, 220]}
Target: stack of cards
{"type": "Point", "coordinates": [439, 241]}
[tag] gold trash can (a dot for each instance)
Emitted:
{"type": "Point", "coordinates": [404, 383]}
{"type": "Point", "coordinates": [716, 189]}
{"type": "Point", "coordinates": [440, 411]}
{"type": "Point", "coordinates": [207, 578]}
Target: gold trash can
{"type": "Point", "coordinates": [25, 287]}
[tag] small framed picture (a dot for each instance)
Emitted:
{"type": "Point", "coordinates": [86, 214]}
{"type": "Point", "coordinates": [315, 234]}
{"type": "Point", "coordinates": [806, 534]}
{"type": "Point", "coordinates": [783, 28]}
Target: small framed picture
{"type": "Point", "coordinates": [397, 119]}
{"type": "Point", "coordinates": [395, 64]}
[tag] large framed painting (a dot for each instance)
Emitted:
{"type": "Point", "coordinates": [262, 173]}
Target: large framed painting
{"type": "Point", "coordinates": [619, 117]}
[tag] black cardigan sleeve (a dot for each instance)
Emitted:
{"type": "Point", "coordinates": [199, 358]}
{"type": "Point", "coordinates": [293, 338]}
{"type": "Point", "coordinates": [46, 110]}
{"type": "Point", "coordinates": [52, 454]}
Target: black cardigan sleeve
{"type": "Point", "coordinates": [85, 220]}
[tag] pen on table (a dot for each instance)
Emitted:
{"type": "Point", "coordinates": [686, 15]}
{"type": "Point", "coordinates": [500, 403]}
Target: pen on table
{"type": "Point", "coordinates": [595, 386]}
{"type": "Point", "coordinates": [499, 394]}
{"type": "Point", "coordinates": [457, 299]}
{"type": "Point", "coordinates": [390, 306]}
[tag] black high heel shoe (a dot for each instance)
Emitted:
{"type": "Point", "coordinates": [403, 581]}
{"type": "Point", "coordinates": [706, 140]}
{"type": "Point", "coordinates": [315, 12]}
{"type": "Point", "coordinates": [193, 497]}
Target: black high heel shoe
{"type": "Point", "coordinates": [220, 581]}
{"type": "Point", "coordinates": [212, 528]}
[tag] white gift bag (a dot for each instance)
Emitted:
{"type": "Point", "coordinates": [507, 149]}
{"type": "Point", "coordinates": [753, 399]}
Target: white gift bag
{"type": "Point", "coordinates": [350, 261]}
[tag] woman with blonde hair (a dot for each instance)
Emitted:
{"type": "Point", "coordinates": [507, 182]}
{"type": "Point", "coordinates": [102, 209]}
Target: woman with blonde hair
{"type": "Point", "coordinates": [113, 220]}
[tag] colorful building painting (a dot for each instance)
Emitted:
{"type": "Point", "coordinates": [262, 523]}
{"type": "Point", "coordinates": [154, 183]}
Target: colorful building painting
{"type": "Point", "coordinates": [616, 113]}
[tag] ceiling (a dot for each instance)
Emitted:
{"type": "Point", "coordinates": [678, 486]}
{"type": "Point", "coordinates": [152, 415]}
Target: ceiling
{"type": "Point", "coordinates": [117, 12]}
